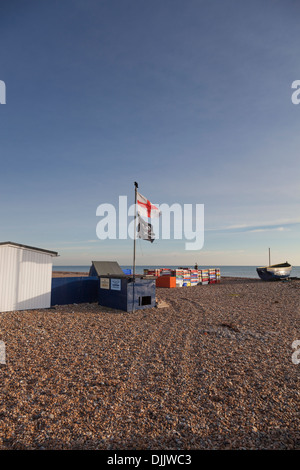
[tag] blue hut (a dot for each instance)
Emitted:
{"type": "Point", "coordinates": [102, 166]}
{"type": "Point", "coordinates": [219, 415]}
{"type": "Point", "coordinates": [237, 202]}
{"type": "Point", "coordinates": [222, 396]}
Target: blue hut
{"type": "Point", "coordinates": [122, 291]}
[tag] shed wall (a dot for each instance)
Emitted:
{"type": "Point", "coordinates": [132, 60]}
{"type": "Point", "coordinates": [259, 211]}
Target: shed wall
{"type": "Point", "coordinates": [70, 290]}
{"type": "Point", "coordinates": [122, 299]}
{"type": "Point", "coordinates": [25, 279]}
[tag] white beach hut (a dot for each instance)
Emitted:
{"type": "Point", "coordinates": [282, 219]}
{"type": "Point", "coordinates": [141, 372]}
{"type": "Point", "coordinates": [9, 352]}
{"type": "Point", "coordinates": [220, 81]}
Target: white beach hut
{"type": "Point", "coordinates": [25, 277]}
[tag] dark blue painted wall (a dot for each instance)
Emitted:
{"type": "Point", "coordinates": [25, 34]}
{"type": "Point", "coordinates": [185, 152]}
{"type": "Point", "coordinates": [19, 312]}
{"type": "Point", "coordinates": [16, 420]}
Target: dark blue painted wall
{"type": "Point", "coordinates": [123, 299]}
{"type": "Point", "coordinates": [74, 290]}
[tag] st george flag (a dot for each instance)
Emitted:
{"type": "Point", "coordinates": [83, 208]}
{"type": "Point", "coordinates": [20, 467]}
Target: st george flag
{"type": "Point", "coordinates": [145, 208]}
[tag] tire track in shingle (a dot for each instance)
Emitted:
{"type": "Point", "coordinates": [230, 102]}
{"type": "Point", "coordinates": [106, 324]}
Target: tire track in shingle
{"type": "Point", "coordinates": [162, 378]}
{"type": "Point", "coordinates": [129, 391]}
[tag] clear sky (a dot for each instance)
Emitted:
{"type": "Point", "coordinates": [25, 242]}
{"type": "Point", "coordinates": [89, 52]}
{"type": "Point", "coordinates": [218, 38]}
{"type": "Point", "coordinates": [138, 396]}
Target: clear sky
{"type": "Point", "coordinates": [190, 98]}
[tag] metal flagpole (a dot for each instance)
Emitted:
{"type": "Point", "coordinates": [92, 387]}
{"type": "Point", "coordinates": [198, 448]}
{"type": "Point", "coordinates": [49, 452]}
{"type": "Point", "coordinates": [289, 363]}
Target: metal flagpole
{"type": "Point", "coordinates": [134, 242]}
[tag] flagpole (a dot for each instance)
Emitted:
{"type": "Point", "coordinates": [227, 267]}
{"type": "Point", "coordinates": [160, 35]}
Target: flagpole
{"type": "Point", "coordinates": [134, 240]}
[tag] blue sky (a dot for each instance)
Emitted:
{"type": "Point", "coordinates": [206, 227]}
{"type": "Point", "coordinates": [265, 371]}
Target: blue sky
{"type": "Point", "coordinates": [191, 99]}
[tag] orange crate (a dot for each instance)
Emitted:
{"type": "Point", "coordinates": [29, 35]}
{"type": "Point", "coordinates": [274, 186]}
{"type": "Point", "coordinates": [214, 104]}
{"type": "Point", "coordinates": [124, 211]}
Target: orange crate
{"type": "Point", "coordinates": [166, 281]}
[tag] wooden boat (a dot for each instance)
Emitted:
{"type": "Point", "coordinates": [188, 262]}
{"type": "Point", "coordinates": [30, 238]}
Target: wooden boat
{"type": "Point", "coordinates": [275, 272]}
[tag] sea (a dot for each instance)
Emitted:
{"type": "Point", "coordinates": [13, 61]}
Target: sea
{"type": "Point", "coordinates": [226, 271]}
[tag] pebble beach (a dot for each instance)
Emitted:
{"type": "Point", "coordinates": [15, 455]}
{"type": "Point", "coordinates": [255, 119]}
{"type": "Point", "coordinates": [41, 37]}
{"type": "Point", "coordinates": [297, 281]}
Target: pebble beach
{"type": "Point", "coordinates": [209, 368]}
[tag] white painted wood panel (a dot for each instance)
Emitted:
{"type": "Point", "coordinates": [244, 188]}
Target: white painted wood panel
{"type": "Point", "coordinates": [25, 278]}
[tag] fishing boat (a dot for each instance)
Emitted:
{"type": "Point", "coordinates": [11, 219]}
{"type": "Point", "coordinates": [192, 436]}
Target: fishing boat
{"type": "Point", "coordinates": [275, 271]}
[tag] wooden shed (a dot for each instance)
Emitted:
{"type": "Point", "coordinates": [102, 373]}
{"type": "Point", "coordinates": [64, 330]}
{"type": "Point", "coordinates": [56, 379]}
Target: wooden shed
{"type": "Point", "coordinates": [25, 277]}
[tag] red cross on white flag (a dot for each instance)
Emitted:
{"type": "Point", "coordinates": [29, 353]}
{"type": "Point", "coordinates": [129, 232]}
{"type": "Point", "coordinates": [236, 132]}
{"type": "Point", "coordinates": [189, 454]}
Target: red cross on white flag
{"type": "Point", "coordinates": [145, 208]}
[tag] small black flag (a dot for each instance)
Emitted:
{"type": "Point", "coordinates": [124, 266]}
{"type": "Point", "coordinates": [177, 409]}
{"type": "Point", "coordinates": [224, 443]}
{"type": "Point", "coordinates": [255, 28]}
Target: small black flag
{"type": "Point", "coordinates": [145, 230]}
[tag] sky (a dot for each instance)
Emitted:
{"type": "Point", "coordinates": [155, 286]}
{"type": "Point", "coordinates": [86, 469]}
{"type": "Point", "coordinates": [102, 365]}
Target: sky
{"type": "Point", "coordinates": [189, 98]}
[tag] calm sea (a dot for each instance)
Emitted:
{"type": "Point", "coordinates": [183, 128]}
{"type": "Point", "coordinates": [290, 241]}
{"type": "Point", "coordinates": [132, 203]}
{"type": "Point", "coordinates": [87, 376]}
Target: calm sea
{"type": "Point", "coordinates": [232, 271]}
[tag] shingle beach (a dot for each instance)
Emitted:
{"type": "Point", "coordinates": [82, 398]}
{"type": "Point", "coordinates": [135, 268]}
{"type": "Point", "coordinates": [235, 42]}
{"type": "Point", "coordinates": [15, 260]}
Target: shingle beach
{"type": "Point", "coordinates": [209, 368]}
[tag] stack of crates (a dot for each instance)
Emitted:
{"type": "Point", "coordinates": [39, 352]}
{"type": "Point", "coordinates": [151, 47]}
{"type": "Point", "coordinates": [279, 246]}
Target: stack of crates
{"type": "Point", "coordinates": [204, 276]}
{"type": "Point", "coordinates": [186, 278]}
{"type": "Point", "coordinates": [212, 276]}
{"type": "Point", "coordinates": [178, 273]}
{"type": "Point", "coordinates": [166, 272]}
{"type": "Point", "coordinates": [194, 277]}
{"type": "Point", "coordinates": [127, 271]}
{"type": "Point", "coordinates": [152, 272]}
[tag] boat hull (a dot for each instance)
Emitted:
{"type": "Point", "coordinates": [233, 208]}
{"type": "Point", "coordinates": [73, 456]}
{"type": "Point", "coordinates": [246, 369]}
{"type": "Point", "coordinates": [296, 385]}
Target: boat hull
{"type": "Point", "coordinates": [275, 272]}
